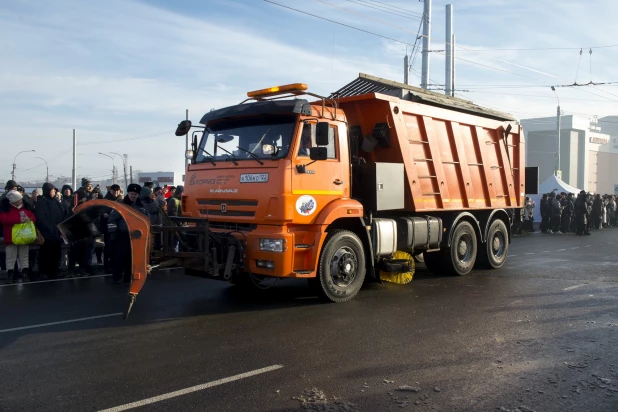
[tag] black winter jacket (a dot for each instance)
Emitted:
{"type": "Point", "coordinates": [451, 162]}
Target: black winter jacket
{"type": "Point", "coordinates": [48, 214]}
{"type": "Point", "coordinates": [116, 223]}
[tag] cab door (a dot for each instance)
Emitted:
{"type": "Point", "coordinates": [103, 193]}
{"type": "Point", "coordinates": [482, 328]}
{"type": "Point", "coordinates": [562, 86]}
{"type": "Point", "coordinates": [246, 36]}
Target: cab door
{"type": "Point", "coordinates": [324, 180]}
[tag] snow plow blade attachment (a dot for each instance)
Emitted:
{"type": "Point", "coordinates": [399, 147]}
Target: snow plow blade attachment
{"type": "Point", "coordinates": [82, 225]}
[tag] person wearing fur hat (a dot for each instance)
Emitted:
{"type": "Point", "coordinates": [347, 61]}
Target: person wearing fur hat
{"type": "Point", "coordinates": [113, 195]}
{"type": "Point", "coordinates": [49, 214]}
{"type": "Point", "coordinates": [14, 211]}
{"type": "Point", "coordinates": [119, 235]}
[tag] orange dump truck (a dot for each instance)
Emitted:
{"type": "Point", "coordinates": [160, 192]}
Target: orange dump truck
{"type": "Point", "coordinates": [330, 190]}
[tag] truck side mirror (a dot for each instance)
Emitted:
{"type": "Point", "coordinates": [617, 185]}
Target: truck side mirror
{"type": "Point", "coordinates": [318, 153]}
{"type": "Point", "coordinates": [321, 133]}
{"type": "Point", "coordinates": [183, 128]}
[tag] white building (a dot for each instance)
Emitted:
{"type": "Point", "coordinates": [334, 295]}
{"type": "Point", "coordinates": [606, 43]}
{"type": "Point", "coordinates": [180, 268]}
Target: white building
{"type": "Point", "coordinates": [161, 178]}
{"type": "Point", "coordinates": [585, 152]}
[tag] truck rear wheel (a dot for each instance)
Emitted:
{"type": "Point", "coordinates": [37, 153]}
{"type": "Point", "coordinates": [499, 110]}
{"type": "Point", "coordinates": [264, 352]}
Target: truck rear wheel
{"type": "Point", "coordinates": [459, 258]}
{"type": "Point", "coordinates": [341, 270]}
{"type": "Point", "coordinates": [493, 254]}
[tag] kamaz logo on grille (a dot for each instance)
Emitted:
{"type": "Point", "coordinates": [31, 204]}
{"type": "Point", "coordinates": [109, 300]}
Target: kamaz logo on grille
{"type": "Point", "coordinates": [223, 208]}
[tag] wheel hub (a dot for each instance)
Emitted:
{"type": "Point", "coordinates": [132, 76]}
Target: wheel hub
{"type": "Point", "coordinates": [343, 266]}
{"type": "Point", "coordinates": [464, 248]}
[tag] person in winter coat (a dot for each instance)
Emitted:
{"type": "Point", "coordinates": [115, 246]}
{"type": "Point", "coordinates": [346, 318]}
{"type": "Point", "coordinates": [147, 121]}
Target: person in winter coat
{"type": "Point", "coordinates": [173, 203]}
{"type": "Point", "coordinates": [567, 212]}
{"type": "Point", "coordinates": [581, 215]}
{"type": "Point", "coordinates": [545, 214]}
{"type": "Point", "coordinates": [597, 211]}
{"type": "Point", "coordinates": [556, 213]}
{"type": "Point", "coordinates": [14, 211]}
{"type": "Point", "coordinates": [149, 200]}
{"type": "Point", "coordinates": [49, 214]}
{"type": "Point", "coordinates": [113, 195]}
{"type": "Point", "coordinates": [119, 235]}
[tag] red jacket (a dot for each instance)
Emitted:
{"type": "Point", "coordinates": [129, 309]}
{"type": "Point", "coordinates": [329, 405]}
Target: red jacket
{"type": "Point", "coordinates": [11, 218]}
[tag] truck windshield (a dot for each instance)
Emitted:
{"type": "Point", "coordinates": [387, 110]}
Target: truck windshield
{"type": "Point", "coordinates": [243, 139]}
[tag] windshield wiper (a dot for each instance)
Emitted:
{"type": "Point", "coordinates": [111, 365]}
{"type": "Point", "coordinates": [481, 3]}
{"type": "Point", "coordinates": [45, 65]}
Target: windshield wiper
{"type": "Point", "coordinates": [253, 155]}
{"type": "Point", "coordinates": [210, 160]}
{"type": "Point", "coordinates": [230, 154]}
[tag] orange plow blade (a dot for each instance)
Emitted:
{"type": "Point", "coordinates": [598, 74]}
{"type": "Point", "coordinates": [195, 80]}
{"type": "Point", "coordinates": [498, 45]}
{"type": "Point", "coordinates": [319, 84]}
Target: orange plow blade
{"type": "Point", "coordinates": [83, 224]}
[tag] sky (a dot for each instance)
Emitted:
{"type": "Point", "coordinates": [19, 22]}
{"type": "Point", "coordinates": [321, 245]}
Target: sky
{"type": "Point", "coordinates": [123, 72]}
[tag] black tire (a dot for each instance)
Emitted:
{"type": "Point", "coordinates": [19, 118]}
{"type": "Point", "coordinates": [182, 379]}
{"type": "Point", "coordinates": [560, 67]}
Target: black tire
{"type": "Point", "coordinates": [433, 261]}
{"type": "Point", "coordinates": [492, 254]}
{"type": "Point", "coordinates": [341, 270]}
{"type": "Point", "coordinates": [459, 258]}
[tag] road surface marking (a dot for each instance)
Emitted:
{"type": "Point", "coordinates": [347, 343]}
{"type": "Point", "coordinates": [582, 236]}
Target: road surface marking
{"type": "Point", "coordinates": [587, 245]}
{"type": "Point", "coordinates": [528, 253]}
{"type": "Point", "coordinates": [576, 286]}
{"type": "Point", "coordinates": [192, 389]}
{"type": "Point", "coordinates": [561, 250]}
{"type": "Point", "coordinates": [576, 247]}
{"type": "Point", "coordinates": [54, 280]}
{"type": "Point", "coordinates": [61, 322]}
{"type": "Point", "coordinates": [511, 255]}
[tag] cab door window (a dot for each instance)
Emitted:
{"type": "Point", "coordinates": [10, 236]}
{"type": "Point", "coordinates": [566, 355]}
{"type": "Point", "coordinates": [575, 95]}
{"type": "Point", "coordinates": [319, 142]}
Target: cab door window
{"type": "Point", "coordinates": [307, 141]}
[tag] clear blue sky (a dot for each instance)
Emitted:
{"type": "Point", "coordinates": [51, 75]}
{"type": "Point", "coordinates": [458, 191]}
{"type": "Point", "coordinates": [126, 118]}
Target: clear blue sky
{"type": "Point", "coordinates": [116, 70]}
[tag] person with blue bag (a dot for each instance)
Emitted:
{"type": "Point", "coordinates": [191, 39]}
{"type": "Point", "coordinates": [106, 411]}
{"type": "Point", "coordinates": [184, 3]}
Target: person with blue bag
{"type": "Point", "coordinates": [17, 220]}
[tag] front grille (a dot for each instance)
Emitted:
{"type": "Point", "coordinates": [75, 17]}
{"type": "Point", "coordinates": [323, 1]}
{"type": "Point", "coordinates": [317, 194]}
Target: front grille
{"type": "Point", "coordinates": [211, 212]}
{"type": "Point", "coordinates": [227, 207]}
{"type": "Point", "coordinates": [241, 227]}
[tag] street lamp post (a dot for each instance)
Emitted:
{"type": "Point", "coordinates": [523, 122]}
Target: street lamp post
{"type": "Point", "coordinates": [13, 173]}
{"type": "Point", "coordinates": [113, 167]}
{"type": "Point", "coordinates": [47, 167]}
{"type": "Point", "coordinates": [124, 164]}
{"type": "Point", "coordinates": [558, 171]}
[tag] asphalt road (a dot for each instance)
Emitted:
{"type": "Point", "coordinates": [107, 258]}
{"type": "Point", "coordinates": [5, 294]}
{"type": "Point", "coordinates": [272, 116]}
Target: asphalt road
{"type": "Point", "coordinates": [540, 334]}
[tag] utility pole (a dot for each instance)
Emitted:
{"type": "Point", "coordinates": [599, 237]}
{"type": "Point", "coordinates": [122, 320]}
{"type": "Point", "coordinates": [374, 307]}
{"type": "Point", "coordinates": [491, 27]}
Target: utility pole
{"type": "Point", "coordinates": [131, 174]}
{"type": "Point", "coordinates": [426, 44]}
{"type": "Point", "coordinates": [113, 174]}
{"type": "Point", "coordinates": [449, 51]}
{"type": "Point", "coordinates": [453, 65]}
{"type": "Point", "coordinates": [187, 143]}
{"type": "Point", "coordinates": [406, 69]}
{"type": "Point", "coordinates": [558, 126]}
{"type": "Point", "coordinates": [125, 158]}
{"type": "Point", "coordinates": [74, 180]}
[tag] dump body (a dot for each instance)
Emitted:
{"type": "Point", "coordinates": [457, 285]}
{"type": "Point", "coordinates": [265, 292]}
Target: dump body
{"type": "Point", "coordinates": [453, 160]}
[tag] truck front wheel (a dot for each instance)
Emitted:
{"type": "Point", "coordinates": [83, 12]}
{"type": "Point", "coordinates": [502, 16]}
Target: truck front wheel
{"type": "Point", "coordinates": [341, 270]}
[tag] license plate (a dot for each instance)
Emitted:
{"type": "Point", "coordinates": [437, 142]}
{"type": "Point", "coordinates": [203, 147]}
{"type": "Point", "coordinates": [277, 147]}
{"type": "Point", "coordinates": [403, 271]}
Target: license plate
{"type": "Point", "coordinates": [254, 178]}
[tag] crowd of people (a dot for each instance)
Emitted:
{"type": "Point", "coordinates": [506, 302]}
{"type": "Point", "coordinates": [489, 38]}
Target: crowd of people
{"type": "Point", "coordinates": [566, 212]}
{"type": "Point", "coordinates": [47, 207]}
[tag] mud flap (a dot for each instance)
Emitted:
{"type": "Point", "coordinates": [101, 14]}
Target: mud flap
{"type": "Point", "coordinates": [82, 225]}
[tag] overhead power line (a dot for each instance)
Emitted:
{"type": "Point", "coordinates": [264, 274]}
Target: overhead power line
{"type": "Point", "coordinates": [385, 11]}
{"type": "Point", "coordinates": [365, 16]}
{"type": "Point", "coordinates": [390, 6]}
{"type": "Point", "coordinates": [339, 23]}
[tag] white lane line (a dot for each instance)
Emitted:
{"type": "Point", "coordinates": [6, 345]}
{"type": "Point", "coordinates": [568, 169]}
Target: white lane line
{"type": "Point", "coordinates": [587, 245]}
{"type": "Point", "coordinates": [61, 322]}
{"type": "Point", "coordinates": [561, 250]}
{"type": "Point", "coordinates": [576, 247]}
{"type": "Point", "coordinates": [192, 389]}
{"type": "Point", "coordinates": [576, 286]}
{"type": "Point", "coordinates": [54, 280]}
{"type": "Point", "coordinates": [533, 253]}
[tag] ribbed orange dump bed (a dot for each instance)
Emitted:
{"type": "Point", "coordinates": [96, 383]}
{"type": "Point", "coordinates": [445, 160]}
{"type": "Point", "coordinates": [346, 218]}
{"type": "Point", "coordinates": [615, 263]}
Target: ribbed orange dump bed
{"type": "Point", "coordinates": [453, 160]}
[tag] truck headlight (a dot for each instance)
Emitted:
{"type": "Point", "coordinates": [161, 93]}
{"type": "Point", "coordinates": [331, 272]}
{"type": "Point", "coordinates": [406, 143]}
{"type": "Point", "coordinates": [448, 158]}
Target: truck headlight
{"type": "Point", "coordinates": [272, 245]}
